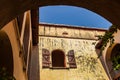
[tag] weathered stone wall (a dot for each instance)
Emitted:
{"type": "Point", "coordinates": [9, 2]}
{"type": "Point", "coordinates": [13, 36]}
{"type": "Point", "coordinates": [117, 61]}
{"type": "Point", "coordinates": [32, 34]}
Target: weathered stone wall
{"type": "Point", "coordinates": [69, 32]}
{"type": "Point", "coordinates": [88, 65]}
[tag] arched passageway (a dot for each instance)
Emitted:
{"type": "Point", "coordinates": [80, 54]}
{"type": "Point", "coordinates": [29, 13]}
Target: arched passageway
{"type": "Point", "coordinates": [107, 9]}
{"type": "Point", "coordinates": [6, 54]}
{"type": "Point", "coordinates": [112, 61]}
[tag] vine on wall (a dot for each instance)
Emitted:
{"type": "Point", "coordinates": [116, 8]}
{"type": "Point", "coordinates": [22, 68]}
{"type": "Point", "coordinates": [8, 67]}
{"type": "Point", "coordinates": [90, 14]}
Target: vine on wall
{"type": "Point", "coordinates": [89, 64]}
{"type": "Point", "coordinates": [109, 38]}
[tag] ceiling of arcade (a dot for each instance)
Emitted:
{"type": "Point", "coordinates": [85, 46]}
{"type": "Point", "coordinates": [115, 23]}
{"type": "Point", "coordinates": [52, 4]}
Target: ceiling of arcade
{"type": "Point", "coordinates": [109, 9]}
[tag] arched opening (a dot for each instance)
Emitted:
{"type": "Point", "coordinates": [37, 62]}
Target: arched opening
{"type": "Point", "coordinates": [113, 60]}
{"type": "Point", "coordinates": [109, 9]}
{"type": "Point", "coordinates": [115, 56]}
{"type": "Point", "coordinates": [113, 53]}
{"type": "Point", "coordinates": [6, 54]}
{"type": "Point", "coordinates": [58, 58]}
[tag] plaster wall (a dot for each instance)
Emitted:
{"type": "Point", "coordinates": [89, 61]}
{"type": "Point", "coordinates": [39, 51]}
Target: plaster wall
{"type": "Point", "coordinates": [89, 66]}
{"type": "Point", "coordinates": [19, 74]}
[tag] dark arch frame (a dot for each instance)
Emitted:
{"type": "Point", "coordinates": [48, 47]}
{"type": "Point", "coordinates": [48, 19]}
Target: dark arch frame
{"type": "Point", "coordinates": [58, 58]}
{"type": "Point", "coordinates": [6, 53]}
{"type": "Point", "coordinates": [105, 8]}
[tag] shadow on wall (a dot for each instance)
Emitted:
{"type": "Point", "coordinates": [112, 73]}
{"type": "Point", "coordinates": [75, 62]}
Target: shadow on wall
{"type": "Point", "coordinates": [6, 54]}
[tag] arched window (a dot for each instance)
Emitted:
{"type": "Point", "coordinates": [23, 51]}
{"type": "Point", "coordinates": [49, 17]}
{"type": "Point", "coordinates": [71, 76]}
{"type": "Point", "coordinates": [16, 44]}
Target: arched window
{"type": "Point", "coordinates": [58, 58]}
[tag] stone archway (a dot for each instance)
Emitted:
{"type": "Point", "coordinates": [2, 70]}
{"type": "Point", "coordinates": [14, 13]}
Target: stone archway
{"type": "Point", "coordinates": [112, 52]}
{"type": "Point", "coordinates": [6, 54]}
{"type": "Point", "coordinates": [108, 9]}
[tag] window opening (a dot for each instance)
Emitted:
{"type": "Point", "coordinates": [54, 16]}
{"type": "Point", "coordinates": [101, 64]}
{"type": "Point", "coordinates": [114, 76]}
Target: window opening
{"type": "Point", "coordinates": [58, 58]}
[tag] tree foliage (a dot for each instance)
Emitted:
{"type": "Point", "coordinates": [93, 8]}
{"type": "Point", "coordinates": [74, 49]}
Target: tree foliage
{"type": "Point", "coordinates": [5, 75]}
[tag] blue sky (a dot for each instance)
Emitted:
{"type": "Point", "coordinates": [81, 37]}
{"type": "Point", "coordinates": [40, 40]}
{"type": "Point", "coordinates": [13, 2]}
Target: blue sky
{"type": "Point", "coordinates": [70, 15]}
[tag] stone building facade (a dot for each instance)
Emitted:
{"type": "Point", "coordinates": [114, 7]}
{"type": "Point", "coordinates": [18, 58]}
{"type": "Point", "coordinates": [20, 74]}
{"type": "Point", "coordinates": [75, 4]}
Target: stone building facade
{"type": "Point", "coordinates": [68, 53]}
{"type": "Point", "coordinates": [18, 28]}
